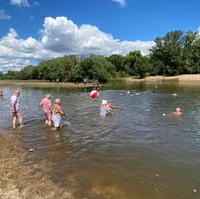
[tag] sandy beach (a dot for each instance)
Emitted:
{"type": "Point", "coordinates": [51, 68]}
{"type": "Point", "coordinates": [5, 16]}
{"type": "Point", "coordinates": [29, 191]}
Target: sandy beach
{"type": "Point", "coordinates": [194, 78]}
{"type": "Point", "coordinates": [181, 79]}
{"type": "Point", "coordinates": [21, 178]}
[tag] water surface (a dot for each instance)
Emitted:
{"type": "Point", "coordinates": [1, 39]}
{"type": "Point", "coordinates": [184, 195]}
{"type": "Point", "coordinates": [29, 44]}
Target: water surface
{"type": "Point", "coordinates": [134, 154]}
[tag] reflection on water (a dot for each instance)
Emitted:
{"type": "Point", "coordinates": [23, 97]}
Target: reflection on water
{"type": "Point", "coordinates": [134, 154]}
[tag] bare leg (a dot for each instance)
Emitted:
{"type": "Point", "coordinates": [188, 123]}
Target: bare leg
{"type": "Point", "coordinates": [20, 118]}
{"type": "Point", "coordinates": [14, 121]}
{"type": "Point", "coordinates": [49, 122]}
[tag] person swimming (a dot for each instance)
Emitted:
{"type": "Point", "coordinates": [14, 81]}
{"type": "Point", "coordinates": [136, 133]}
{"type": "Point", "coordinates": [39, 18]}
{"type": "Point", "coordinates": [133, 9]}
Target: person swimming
{"type": "Point", "coordinates": [132, 93]}
{"type": "Point", "coordinates": [176, 113]}
{"type": "Point", "coordinates": [105, 109]}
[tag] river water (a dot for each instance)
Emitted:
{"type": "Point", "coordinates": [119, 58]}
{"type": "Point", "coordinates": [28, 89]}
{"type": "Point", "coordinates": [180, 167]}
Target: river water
{"type": "Point", "coordinates": [134, 154]}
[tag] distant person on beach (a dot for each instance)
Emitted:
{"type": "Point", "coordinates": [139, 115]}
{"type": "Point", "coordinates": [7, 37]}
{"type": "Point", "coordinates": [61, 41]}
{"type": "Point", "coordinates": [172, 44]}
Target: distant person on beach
{"type": "Point", "coordinates": [15, 109]}
{"type": "Point", "coordinates": [47, 108]}
{"type": "Point", "coordinates": [176, 113]}
{"type": "Point", "coordinates": [155, 89]}
{"type": "Point", "coordinates": [85, 81]}
{"type": "Point", "coordinates": [105, 109]}
{"type": "Point", "coordinates": [57, 114]}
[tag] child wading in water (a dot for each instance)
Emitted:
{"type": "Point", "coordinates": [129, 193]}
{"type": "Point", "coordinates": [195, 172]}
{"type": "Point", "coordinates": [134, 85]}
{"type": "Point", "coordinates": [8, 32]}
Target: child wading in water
{"type": "Point", "coordinates": [57, 113]}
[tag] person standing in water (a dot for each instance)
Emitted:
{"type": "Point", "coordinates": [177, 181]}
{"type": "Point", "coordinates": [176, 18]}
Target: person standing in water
{"type": "Point", "coordinates": [57, 114]}
{"type": "Point", "coordinates": [105, 109]}
{"type": "Point", "coordinates": [47, 108]}
{"type": "Point", "coordinates": [15, 109]}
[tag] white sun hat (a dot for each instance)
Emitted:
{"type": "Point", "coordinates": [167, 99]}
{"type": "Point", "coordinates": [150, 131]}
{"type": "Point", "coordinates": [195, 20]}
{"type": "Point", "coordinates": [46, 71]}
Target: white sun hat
{"type": "Point", "coordinates": [104, 102]}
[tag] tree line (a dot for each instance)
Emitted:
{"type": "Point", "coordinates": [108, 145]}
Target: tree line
{"type": "Point", "coordinates": [176, 53]}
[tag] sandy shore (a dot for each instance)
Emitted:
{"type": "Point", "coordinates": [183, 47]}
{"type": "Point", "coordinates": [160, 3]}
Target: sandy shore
{"type": "Point", "coordinates": [44, 84]}
{"type": "Point", "coordinates": [179, 78]}
{"type": "Point", "coordinates": [184, 79]}
{"type": "Point", "coordinates": [21, 179]}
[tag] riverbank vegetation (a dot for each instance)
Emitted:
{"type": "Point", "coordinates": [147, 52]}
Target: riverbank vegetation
{"type": "Point", "coordinates": [176, 53]}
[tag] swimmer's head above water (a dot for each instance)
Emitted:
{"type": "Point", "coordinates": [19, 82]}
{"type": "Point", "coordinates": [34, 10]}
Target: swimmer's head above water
{"type": "Point", "coordinates": [178, 109]}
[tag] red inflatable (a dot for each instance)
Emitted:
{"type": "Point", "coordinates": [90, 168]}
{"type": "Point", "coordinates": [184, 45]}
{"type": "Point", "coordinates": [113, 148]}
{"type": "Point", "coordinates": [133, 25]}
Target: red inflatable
{"type": "Point", "coordinates": [94, 94]}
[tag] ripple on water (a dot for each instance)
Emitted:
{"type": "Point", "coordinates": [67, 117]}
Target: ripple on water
{"type": "Point", "coordinates": [136, 151]}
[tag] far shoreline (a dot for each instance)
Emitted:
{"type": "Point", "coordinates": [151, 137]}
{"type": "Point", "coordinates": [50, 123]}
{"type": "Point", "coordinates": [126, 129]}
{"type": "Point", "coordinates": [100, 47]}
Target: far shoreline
{"type": "Point", "coordinates": [187, 79]}
{"type": "Point", "coordinates": [45, 84]}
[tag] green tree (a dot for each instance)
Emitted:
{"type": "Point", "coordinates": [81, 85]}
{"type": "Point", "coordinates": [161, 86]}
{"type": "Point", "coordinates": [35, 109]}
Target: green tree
{"type": "Point", "coordinates": [28, 72]}
{"type": "Point", "coordinates": [166, 54]}
{"type": "Point", "coordinates": [94, 68]}
{"type": "Point", "coordinates": [136, 64]}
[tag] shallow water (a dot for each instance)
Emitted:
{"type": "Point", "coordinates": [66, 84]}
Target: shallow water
{"type": "Point", "coordinates": [134, 154]}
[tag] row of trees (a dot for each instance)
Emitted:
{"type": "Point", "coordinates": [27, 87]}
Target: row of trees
{"type": "Point", "coordinates": [176, 53]}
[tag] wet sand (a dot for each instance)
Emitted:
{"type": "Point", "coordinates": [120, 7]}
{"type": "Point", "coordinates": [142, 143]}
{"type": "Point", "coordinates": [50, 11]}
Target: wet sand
{"type": "Point", "coordinates": [44, 84]}
{"type": "Point", "coordinates": [20, 178]}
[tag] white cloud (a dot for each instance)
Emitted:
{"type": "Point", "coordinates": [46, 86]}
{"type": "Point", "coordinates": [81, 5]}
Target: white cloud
{"type": "Point", "coordinates": [121, 2]}
{"type": "Point", "coordinates": [61, 36]}
{"type": "Point", "coordinates": [10, 64]}
{"type": "Point", "coordinates": [3, 15]}
{"type": "Point", "coordinates": [20, 52]}
{"type": "Point", "coordinates": [20, 3]}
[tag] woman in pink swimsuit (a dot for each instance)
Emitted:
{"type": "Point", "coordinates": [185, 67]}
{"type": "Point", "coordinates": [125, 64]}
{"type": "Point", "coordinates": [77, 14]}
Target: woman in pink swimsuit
{"type": "Point", "coordinates": [47, 108]}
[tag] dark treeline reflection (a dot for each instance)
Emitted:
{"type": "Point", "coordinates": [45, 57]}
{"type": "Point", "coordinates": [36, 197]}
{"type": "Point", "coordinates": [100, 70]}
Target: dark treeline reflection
{"type": "Point", "coordinates": [176, 53]}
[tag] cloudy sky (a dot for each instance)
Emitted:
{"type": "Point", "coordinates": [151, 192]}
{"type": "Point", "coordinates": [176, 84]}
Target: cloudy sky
{"type": "Point", "coordinates": [35, 30]}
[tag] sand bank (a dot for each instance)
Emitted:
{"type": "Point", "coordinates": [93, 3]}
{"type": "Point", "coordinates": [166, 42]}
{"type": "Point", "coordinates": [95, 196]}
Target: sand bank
{"type": "Point", "coordinates": [179, 78]}
{"type": "Point", "coordinates": [21, 179]}
{"type": "Point", "coordinates": [44, 84]}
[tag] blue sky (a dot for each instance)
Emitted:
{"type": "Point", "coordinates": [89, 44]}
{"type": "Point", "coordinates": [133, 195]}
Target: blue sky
{"type": "Point", "coordinates": [34, 30]}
